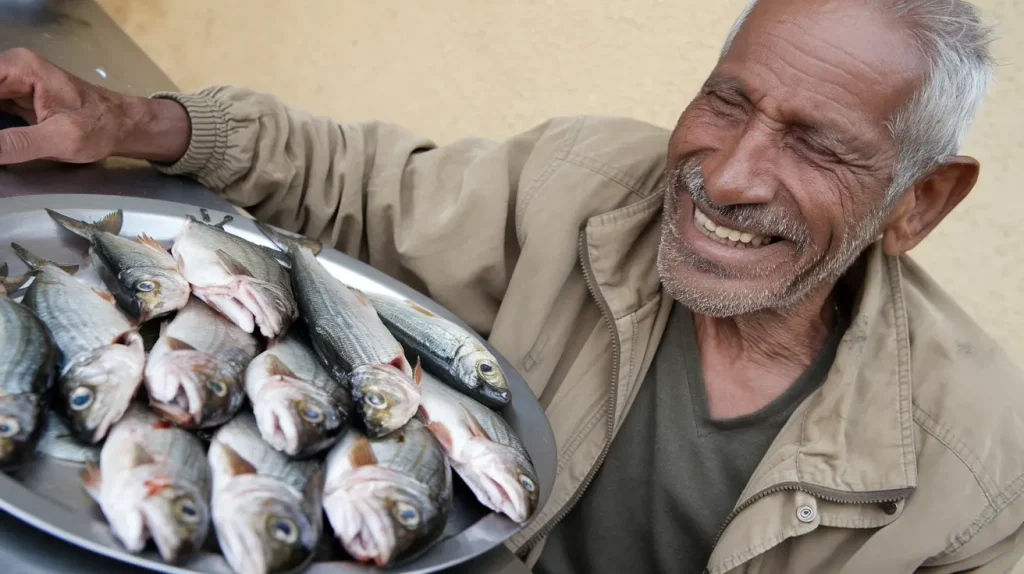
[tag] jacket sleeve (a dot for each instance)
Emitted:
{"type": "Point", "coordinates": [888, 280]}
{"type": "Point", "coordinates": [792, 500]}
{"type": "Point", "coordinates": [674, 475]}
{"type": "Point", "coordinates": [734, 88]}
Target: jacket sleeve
{"type": "Point", "coordinates": [438, 218]}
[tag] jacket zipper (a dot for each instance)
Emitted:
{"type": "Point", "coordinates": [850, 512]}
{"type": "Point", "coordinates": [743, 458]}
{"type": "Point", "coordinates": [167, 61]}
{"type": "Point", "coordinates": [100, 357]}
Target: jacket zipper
{"type": "Point", "coordinates": [826, 494]}
{"type": "Point", "coordinates": [616, 347]}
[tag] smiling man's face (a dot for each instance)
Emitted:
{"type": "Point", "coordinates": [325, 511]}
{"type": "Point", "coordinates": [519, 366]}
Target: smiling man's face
{"type": "Point", "coordinates": [778, 170]}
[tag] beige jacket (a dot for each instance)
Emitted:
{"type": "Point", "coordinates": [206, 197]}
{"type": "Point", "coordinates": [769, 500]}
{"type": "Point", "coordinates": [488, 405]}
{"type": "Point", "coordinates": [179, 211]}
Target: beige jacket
{"type": "Point", "coordinates": [910, 457]}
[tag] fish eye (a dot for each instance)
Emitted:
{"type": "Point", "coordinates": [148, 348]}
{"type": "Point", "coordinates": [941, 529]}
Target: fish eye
{"type": "Point", "coordinates": [218, 388]}
{"type": "Point", "coordinates": [81, 398]}
{"type": "Point", "coordinates": [407, 515]}
{"type": "Point", "coordinates": [527, 483]}
{"type": "Point", "coordinates": [282, 529]}
{"type": "Point", "coordinates": [376, 400]}
{"type": "Point", "coordinates": [145, 286]}
{"type": "Point", "coordinates": [9, 427]}
{"type": "Point", "coordinates": [488, 371]}
{"type": "Point", "coordinates": [186, 510]}
{"type": "Point", "coordinates": [311, 413]}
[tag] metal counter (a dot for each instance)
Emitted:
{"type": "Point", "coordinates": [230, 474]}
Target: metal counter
{"type": "Point", "coordinates": [78, 36]}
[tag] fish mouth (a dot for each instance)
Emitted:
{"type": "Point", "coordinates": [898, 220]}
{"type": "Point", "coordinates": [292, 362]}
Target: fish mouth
{"type": "Point", "coordinates": [385, 398]}
{"type": "Point", "coordinates": [249, 302]}
{"type": "Point", "coordinates": [179, 388]}
{"type": "Point", "coordinates": [495, 484]}
{"type": "Point", "coordinates": [114, 373]}
{"type": "Point", "coordinates": [361, 525]}
{"type": "Point", "coordinates": [494, 397]}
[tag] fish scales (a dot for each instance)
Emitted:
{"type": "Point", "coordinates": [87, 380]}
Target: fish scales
{"type": "Point", "coordinates": [25, 349]}
{"type": "Point", "coordinates": [242, 435]}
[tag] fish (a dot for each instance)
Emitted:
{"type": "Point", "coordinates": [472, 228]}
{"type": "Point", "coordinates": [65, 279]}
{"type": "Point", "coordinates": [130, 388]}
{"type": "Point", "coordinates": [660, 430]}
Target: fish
{"type": "Point", "coordinates": [300, 409]}
{"type": "Point", "coordinates": [448, 351]}
{"type": "Point", "coordinates": [152, 481]}
{"type": "Point", "coordinates": [241, 280]}
{"type": "Point", "coordinates": [141, 274]}
{"type": "Point", "coordinates": [28, 368]}
{"type": "Point", "coordinates": [482, 449]}
{"type": "Point", "coordinates": [56, 441]}
{"type": "Point", "coordinates": [388, 499]}
{"type": "Point", "coordinates": [352, 342]}
{"type": "Point", "coordinates": [266, 507]}
{"type": "Point", "coordinates": [101, 355]}
{"type": "Point", "coordinates": [194, 375]}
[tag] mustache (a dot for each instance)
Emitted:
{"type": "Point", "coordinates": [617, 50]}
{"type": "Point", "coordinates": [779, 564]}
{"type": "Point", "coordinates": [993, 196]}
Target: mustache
{"type": "Point", "coordinates": [762, 219]}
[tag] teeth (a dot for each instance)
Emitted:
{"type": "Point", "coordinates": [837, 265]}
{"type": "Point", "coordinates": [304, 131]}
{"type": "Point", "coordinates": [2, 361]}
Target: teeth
{"type": "Point", "coordinates": [728, 236]}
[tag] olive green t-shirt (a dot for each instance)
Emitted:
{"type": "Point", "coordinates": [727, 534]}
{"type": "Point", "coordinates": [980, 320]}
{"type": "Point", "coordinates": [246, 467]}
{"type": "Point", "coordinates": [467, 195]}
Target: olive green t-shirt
{"type": "Point", "coordinates": [673, 474]}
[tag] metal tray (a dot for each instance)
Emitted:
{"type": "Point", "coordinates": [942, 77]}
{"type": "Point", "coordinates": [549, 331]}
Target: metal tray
{"type": "Point", "coordinates": [46, 492]}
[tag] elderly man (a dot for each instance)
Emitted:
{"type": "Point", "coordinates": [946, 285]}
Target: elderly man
{"type": "Point", "coordinates": [743, 370]}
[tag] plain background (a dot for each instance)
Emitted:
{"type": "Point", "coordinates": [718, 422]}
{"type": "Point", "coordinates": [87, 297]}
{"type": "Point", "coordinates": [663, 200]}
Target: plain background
{"type": "Point", "coordinates": [491, 68]}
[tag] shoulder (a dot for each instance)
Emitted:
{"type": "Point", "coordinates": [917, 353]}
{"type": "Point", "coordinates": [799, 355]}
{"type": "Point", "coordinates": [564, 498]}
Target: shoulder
{"type": "Point", "coordinates": [968, 397]}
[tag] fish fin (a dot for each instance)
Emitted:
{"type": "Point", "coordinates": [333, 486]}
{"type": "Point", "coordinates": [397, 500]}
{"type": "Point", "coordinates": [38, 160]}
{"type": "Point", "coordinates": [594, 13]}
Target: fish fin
{"type": "Point", "coordinates": [105, 295]}
{"type": "Point", "coordinates": [227, 219]}
{"type": "Point", "coordinates": [474, 425]}
{"type": "Point", "coordinates": [111, 222]}
{"type": "Point", "coordinates": [236, 464]}
{"type": "Point", "coordinates": [285, 241]}
{"type": "Point", "coordinates": [276, 367]}
{"type": "Point", "coordinates": [35, 262]}
{"type": "Point", "coordinates": [151, 243]}
{"type": "Point", "coordinates": [418, 309]}
{"type": "Point", "coordinates": [92, 480]}
{"type": "Point", "coordinates": [362, 453]}
{"type": "Point", "coordinates": [442, 434]}
{"type": "Point", "coordinates": [417, 373]}
{"type": "Point", "coordinates": [232, 265]}
{"type": "Point", "coordinates": [177, 344]}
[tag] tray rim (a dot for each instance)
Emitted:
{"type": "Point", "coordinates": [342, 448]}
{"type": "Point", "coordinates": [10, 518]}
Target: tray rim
{"type": "Point", "coordinates": [482, 536]}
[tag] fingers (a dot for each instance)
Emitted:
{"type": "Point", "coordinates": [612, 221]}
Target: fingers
{"type": "Point", "coordinates": [18, 67]}
{"type": "Point", "coordinates": [48, 140]}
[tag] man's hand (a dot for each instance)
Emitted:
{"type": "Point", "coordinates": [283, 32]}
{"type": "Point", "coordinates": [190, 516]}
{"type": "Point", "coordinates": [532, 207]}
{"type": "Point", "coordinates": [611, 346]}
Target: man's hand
{"type": "Point", "coordinates": [74, 121]}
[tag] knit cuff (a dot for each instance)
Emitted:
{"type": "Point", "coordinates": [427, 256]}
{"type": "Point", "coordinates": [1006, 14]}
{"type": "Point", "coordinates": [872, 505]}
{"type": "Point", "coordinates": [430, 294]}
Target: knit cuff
{"type": "Point", "coordinates": [208, 143]}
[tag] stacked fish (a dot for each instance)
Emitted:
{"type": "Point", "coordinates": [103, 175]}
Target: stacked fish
{"type": "Point", "coordinates": [302, 385]}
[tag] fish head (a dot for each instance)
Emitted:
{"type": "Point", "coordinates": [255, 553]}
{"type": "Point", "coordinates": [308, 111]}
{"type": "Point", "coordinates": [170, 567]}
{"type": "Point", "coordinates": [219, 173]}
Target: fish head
{"type": "Point", "coordinates": [193, 388]}
{"type": "Point", "coordinates": [380, 515]}
{"type": "Point", "coordinates": [476, 364]}
{"type": "Point", "coordinates": [178, 518]}
{"type": "Point", "coordinates": [385, 398]}
{"type": "Point", "coordinates": [296, 418]}
{"type": "Point", "coordinates": [18, 416]}
{"type": "Point", "coordinates": [152, 291]}
{"type": "Point", "coordinates": [263, 526]}
{"type": "Point", "coordinates": [97, 390]}
{"type": "Point", "coordinates": [500, 478]}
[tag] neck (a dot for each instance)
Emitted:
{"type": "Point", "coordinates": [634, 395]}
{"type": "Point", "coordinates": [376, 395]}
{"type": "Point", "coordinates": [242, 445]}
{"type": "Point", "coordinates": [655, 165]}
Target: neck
{"type": "Point", "coordinates": [749, 360]}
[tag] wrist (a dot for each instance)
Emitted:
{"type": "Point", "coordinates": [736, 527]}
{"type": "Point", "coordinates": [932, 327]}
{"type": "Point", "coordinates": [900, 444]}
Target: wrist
{"type": "Point", "coordinates": [154, 129]}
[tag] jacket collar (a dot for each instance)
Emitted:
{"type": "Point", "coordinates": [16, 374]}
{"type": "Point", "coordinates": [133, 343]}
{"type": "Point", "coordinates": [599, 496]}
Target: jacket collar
{"type": "Point", "coordinates": [852, 436]}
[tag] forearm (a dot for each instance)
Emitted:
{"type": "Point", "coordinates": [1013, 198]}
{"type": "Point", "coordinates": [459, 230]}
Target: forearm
{"type": "Point", "coordinates": [154, 129]}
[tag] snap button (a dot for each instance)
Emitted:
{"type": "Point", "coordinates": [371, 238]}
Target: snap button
{"type": "Point", "coordinates": [805, 513]}
{"type": "Point", "coordinates": [889, 508]}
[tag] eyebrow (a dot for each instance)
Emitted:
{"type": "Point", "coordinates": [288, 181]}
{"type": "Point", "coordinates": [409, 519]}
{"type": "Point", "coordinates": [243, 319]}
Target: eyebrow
{"type": "Point", "coordinates": [825, 135]}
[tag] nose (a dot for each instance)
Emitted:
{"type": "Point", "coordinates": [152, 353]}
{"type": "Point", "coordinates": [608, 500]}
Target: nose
{"type": "Point", "coordinates": [743, 171]}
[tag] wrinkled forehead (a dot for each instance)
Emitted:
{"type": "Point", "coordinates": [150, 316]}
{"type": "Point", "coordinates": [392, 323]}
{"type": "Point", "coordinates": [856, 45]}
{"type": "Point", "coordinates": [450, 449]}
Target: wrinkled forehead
{"type": "Point", "coordinates": [851, 62]}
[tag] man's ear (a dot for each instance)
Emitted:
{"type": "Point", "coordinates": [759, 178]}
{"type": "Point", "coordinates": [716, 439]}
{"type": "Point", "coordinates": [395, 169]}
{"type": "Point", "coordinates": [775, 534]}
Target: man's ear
{"type": "Point", "coordinates": [927, 202]}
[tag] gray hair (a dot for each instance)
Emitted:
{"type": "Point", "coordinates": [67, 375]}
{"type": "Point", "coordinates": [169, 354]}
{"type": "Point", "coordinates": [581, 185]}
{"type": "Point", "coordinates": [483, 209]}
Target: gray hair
{"type": "Point", "coordinates": [930, 127]}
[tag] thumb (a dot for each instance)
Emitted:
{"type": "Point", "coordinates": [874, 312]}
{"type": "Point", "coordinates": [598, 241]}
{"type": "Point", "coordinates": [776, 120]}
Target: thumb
{"type": "Point", "coordinates": [42, 141]}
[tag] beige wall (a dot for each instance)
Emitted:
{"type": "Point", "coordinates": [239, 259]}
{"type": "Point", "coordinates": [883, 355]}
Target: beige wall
{"type": "Point", "coordinates": [453, 68]}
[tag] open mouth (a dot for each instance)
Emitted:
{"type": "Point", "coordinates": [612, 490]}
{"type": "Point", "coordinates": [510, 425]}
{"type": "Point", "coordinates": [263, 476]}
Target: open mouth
{"type": "Point", "coordinates": [727, 235]}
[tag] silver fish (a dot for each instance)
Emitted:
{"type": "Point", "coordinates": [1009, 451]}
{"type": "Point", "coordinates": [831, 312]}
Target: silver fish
{"type": "Point", "coordinates": [299, 408]}
{"type": "Point", "coordinates": [353, 343]}
{"type": "Point", "coordinates": [482, 449]}
{"type": "Point", "coordinates": [101, 354]}
{"type": "Point", "coordinates": [57, 441]}
{"type": "Point", "coordinates": [152, 480]}
{"type": "Point", "coordinates": [142, 275]}
{"type": "Point", "coordinates": [388, 498]}
{"type": "Point", "coordinates": [266, 507]}
{"type": "Point", "coordinates": [448, 351]}
{"type": "Point", "coordinates": [28, 367]}
{"type": "Point", "coordinates": [241, 280]}
{"type": "Point", "coordinates": [195, 369]}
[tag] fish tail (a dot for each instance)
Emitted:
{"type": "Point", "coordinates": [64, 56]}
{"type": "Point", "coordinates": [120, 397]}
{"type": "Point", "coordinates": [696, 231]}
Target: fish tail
{"type": "Point", "coordinates": [287, 241]}
{"type": "Point", "coordinates": [111, 223]}
{"type": "Point", "coordinates": [36, 263]}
